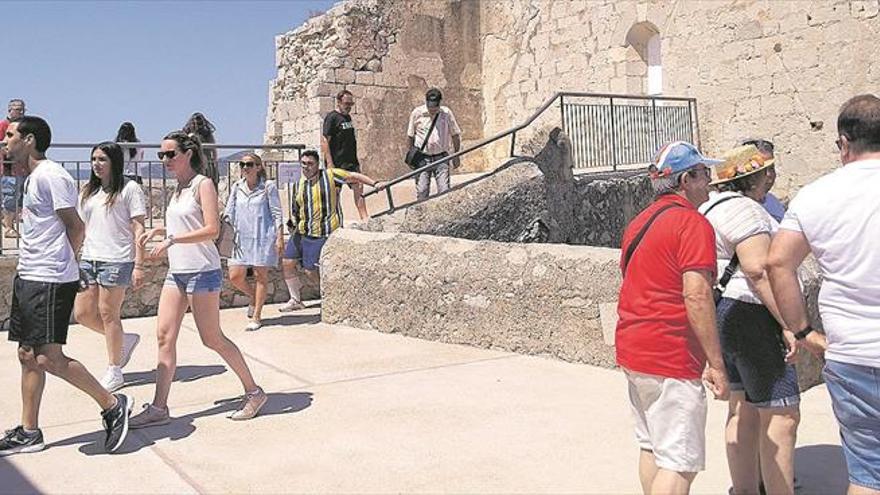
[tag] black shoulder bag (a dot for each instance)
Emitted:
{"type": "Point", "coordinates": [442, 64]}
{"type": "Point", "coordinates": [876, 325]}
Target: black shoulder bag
{"type": "Point", "coordinates": [414, 155]}
{"type": "Point", "coordinates": [731, 267]}
{"type": "Point", "coordinates": [638, 239]}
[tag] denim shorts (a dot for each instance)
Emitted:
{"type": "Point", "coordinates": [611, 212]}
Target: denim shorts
{"type": "Point", "coordinates": [855, 398]}
{"type": "Point", "coordinates": [107, 273]}
{"type": "Point", "coordinates": [197, 282]}
{"type": "Point", "coordinates": [754, 355]}
{"type": "Point", "coordinates": [305, 249]}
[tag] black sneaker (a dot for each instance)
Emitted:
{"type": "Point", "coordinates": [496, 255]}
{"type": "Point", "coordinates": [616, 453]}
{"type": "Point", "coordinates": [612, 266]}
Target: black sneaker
{"type": "Point", "coordinates": [18, 441]}
{"type": "Point", "coordinates": [116, 422]}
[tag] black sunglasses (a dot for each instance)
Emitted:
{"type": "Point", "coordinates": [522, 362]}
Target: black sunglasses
{"type": "Point", "coordinates": [246, 164]}
{"type": "Point", "coordinates": [170, 154]}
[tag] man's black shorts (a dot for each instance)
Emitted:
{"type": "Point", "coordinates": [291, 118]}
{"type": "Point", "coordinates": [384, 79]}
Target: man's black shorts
{"type": "Point", "coordinates": [40, 311]}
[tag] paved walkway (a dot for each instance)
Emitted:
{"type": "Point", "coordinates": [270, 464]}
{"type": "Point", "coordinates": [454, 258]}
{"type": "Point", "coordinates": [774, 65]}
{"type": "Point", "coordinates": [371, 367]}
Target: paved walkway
{"type": "Point", "coordinates": [355, 411]}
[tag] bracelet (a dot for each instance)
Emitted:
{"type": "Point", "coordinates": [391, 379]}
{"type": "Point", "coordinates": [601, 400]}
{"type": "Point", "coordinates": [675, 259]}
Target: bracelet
{"type": "Point", "coordinates": [803, 333]}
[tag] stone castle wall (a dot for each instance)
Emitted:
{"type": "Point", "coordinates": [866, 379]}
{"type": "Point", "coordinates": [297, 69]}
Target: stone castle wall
{"type": "Point", "coordinates": [757, 68]}
{"type": "Point", "coordinates": [387, 54]}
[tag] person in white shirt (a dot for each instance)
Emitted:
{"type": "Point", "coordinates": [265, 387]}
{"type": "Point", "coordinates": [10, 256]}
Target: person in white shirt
{"type": "Point", "coordinates": [763, 410]}
{"type": "Point", "coordinates": [44, 289]}
{"type": "Point", "coordinates": [132, 157]}
{"type": "Point", "coordinates": [113, 210]}
{"type": "Point", "coordinates": [837, 219]}
{"type": "Point", "coordinates": [194, 278]}
{"type": "Point", "coordinates": [445, 137]}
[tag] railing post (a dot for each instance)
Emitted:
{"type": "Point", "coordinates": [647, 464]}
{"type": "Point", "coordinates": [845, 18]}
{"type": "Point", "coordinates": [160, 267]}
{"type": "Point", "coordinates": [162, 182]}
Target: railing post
{"type": "Point", "coordinates": [613, 136]}
{"type": "Point", "coordinates": [654, 119]}
{"type": "Point", "coordinates": [391, 206]}
{"type": "Point", "coordinates": [512, 144]}
{"type": "Point", "coordinates": [562, 112]}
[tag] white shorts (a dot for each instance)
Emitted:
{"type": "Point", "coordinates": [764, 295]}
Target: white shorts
{"type": "Point", "coordinates": [670, 416]}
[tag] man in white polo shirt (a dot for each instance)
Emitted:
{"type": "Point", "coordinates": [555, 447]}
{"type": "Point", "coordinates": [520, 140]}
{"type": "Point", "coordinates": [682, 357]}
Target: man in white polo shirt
{"type": "Point", "coordinates": [443, 137]}
{"type": "Point", "coordinates": [837, 218]}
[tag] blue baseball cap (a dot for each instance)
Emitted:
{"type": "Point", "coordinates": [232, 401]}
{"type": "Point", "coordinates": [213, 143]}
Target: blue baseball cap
{"type": "Point", "coordinates": [679, 156]}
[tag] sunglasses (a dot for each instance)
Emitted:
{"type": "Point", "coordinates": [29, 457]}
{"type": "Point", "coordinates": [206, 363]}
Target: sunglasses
{"type": "Point", "coordinates": [170, 154]}
{"type": "Point", "coordinates": [247, 164]}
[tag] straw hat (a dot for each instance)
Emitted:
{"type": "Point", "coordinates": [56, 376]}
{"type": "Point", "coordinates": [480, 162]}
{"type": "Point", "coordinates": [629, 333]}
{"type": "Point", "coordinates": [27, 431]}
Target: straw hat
{"type": "Point", "coordinates": [740, 162]}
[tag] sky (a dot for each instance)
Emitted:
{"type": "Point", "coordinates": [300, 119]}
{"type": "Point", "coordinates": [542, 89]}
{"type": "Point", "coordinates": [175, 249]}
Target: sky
{"type": "Point", "coordinates": [88, 66]}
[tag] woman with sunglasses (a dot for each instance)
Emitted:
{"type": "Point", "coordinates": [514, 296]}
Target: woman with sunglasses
{"type": "Point", "coordinates": [112, 208]}
{"type": "Point", "coordinates": [254, 209]}
{"type": "Point", "coordinates": [194, 278]}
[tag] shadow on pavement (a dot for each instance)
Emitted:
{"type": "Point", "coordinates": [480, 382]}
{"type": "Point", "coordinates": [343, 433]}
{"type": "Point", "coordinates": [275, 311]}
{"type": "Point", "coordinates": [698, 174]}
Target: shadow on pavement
{"type": "Point", "coordinates": [820, 469]}
{"type": "Point", "coordinates": [291, 320]}
{"type": "Point", "coordinates": [184, 373]}
{"type": "Point", "coordinates": [183, 426]}
{"type": "Point", "coordinates": [12, 481]}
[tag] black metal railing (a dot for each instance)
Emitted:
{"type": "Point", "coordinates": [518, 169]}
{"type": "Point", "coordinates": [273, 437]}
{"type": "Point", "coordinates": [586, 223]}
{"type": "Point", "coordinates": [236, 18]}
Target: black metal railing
{"type": "Point", "coordinates": [631, 133]}
{"type": "Point", "coordinates": [158, 184]}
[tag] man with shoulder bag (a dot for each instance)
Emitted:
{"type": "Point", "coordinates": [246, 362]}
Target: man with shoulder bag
{"type": "Point", "coordinates": [436, 131]}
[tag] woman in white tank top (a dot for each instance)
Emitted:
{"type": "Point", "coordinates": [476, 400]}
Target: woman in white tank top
{"type": "Point", "coordinates": [194, 277]}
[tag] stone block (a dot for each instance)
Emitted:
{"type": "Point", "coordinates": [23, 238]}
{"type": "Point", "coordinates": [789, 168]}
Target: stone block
{"type": "Point", "coordinates": [364, 78]}
{"type": "Point", "coordinates": [343, 76]}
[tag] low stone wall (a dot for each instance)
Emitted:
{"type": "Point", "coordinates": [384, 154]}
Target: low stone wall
{"type": "Point", "coordinates": [145, 301]}
{"type": "Point", "coordinates": [542, 299]}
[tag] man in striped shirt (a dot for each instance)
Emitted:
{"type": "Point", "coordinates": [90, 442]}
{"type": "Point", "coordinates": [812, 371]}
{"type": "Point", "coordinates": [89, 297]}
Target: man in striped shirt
{"type": "Point", "coordinates": [316, 214]}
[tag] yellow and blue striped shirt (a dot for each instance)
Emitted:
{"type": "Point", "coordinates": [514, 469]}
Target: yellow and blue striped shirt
{"type": "Point", "coordinates": [315, 204]}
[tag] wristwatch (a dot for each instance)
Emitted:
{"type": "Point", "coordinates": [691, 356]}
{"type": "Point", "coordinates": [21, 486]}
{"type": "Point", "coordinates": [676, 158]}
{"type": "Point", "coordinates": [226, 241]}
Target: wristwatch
{"type": "Point", "coordinates": [803, 333]}
{"type": "Point", "coordinates": [170, 239]}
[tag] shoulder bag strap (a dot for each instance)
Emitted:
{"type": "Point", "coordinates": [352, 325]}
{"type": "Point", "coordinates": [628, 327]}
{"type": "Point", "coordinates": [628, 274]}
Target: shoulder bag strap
{"type": "Point", "coordinates": [732, 266]}
{"type": "Point", "coordinates": [430, 129]}
{"type": "Point", "coordinates": [638, 239]}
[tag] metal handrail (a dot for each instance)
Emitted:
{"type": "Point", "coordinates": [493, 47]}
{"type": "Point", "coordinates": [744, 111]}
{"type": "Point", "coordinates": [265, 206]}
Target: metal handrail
{"type": "Point", "coordinates": [204, 145]}
{"type": "Point", "coordinates": [386, 185]}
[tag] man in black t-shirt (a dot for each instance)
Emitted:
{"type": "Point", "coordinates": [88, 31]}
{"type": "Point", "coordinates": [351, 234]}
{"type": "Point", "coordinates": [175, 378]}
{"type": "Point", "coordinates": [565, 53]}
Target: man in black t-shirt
{"type": "Point", "coordinates": [339, 145]}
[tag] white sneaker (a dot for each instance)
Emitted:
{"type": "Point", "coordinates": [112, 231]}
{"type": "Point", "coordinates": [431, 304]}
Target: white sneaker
{"type": "Point", "coordinates": [112, 379]}
{"type": "Point", "coordinates": [291, 305]}
{"type": "Point", "coordinates": [129, 342]}
{"type": "Point", "coordinates": [253, 325]}
{"type": "Point", "coordinates": [250, 311]}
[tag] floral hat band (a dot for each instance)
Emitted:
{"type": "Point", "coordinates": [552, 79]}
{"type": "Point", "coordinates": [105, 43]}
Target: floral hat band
{"type": "Point", "coordinates": [740, 162]}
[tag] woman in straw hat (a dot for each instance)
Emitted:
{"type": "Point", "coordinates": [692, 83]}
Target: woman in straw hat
{"type": "Point", "coordinates": [764, 401]}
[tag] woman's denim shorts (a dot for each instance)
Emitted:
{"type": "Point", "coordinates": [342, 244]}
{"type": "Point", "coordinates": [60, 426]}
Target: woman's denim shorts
{"type": "Point", "coordinates": [197, 282]}
{"type": "Point", "coordinates": [107, 273]}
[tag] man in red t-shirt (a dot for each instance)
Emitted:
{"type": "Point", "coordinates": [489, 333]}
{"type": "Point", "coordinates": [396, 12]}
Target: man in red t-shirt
{"type": "Point", "coordinates": [666, 332]}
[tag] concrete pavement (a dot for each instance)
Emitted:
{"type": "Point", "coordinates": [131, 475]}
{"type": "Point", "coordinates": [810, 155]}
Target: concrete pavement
{"type": "Point", "coordinates": [355, 411]}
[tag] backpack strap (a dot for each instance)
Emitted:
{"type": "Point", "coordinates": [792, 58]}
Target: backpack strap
{"type": "Point", "coordinates": [638, 239]}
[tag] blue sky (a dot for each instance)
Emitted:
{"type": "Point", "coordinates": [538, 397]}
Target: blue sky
{"type": "Point", "coordinates": [88, 66]}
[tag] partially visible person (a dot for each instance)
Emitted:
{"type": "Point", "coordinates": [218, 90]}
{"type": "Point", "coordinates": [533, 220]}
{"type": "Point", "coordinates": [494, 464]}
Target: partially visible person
{"type": "Point", "coordinates": [666, 333]}
{"type": "Point", "coordinates": [770, 203]}
{"type": "Point", "coordinates": [837, 219]}
{"type": "Point", "coordinates": [339, 145]}
{"type": "Point", "coordinates": [763, 411]}
{"type": "Point", "coordinates": [445, 137]}
{"type": "Point", "coordinates": [112, 208]}
{"type": "Point", "coordinates": [44, 288]}
{"type": "Point", "coordinates": [254, 208]}
{"type": "Point", "coordinates": [315, 209]}
{"type": "Point", "coordinates": [200, 126]}
{"type": "Point", "coordinates": [133, 156]}
{"type": "Point", "coordinates": [11, 182]}
{"type": "Point", "coordinates": [194, 279]}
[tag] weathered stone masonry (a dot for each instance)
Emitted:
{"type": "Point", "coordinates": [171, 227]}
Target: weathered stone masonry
{"type": "Point", "coordinates": [776, 69]}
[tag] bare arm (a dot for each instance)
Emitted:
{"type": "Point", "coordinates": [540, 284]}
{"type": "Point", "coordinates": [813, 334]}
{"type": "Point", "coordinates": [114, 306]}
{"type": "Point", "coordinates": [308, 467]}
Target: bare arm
{"type": "Point", "coordinates": [354, 177]}
{"type": "Point", "coordinates": [787, 251]}
{"type": "Point", "coordinates": [700, 305]}
{"type": "Point", "coordinates": [76, 229]}
{"type": "Point", "coordinates": [137, 227]}
{"type": "Point", "coordinates": [325, 150]}
{"type": "Point", "coordinates": [456, 145]}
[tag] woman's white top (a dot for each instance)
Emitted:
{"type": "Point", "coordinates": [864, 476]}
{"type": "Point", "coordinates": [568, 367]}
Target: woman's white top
{"type": "Point", "coordinates": [184, 214]}
{"type": "Point", "coordinates": [129, 166]}
{"type": "Point", "coordinates": [109, 236]}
